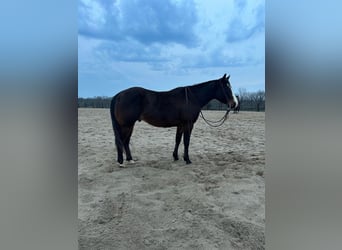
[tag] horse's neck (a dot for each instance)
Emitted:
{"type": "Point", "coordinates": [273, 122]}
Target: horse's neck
{"type": "Point", "coordinates": [203, 93]}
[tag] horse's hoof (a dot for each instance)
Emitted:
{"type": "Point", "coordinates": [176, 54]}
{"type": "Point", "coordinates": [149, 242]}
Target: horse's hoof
{"type": "Point", "coordinates": [131, 161]}
{"type": "Point", "coordinates": [188, 161]}
{"type": "Point", "coordinates": [175, 156]}
{"type": "Point", "coordinates": [122, 165]}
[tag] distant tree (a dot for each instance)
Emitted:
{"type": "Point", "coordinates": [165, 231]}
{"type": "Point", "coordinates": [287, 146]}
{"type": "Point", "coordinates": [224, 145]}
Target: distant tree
{"type": "Point", "coordinates": [94, 102]}
{"type": "Point", "coordinates": [248, 101]}
{"type": "Point", "coordinates": [243, 94]}
{"type": "Point", "coordinates": [254, 101]}
{"type": "Point", "coordinates": [258, 98]}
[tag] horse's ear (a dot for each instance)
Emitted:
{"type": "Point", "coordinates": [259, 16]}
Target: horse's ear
{"type": "Point", "coordinates": [228, 77]}
{"type": "Point", "coordinates": [224, 76]}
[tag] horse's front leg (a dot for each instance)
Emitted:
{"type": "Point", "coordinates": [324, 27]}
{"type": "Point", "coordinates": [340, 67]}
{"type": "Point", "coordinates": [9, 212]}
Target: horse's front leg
{"type": "Point", "coordinates": [179, 134]}
{"type": "Point", "coordinates": [187, 134]}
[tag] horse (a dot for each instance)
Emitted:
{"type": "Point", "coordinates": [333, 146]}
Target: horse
{"type": "Point", "coordinates": [237, 107]}
{"type": "Point", "coordinates": [179, 107]}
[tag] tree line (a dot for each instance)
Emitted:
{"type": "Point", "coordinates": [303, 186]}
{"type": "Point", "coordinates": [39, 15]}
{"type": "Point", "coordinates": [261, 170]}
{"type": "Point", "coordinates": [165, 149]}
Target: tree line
{"type": "Point", "coordinates": [249, 101]}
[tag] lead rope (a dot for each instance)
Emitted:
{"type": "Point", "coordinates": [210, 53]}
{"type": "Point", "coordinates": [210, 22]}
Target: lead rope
{"type": "Point", "coordinates": [209, 122]}
{"type": "Point", "coordinates": [215, 123]}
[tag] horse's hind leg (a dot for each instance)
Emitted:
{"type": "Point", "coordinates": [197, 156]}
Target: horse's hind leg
{"type": "Point", "coordinates": [126, 135]}
{"type": "Point", "coordinates": [187, 134]}
{"type": "Point", "coordinates": [179, 134]}
{"type": "Point", "coordinates": [119, 149]}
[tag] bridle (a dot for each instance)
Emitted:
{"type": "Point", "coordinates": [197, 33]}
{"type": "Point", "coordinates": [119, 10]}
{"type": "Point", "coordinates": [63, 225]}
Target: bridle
{"type": "Point", "coordinates": [209, 122]}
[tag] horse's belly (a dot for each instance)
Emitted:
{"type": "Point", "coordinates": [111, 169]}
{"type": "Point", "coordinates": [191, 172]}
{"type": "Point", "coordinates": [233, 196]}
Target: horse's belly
{"type": "Point", "coordinates": [162, 124]}
{"type": "Point", "coordinates": [160, 121]}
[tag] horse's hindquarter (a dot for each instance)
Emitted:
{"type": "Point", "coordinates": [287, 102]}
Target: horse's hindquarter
{"type": "Point", "coordinates": [128, 106]}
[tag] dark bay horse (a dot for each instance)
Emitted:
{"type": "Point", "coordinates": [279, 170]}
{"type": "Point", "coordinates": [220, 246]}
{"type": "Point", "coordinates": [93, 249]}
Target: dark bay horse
{"type": "Point", "coordinates": [179, 108]}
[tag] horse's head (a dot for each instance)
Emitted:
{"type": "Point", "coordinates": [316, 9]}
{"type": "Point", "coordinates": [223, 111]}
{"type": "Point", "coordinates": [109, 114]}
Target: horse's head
{"type": "Point", "coordinates": [224, 92]}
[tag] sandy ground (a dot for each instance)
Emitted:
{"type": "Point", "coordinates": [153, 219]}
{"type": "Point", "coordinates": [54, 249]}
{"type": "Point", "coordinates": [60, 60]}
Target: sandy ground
{"type": "Point", "coordinates": [217, 202]}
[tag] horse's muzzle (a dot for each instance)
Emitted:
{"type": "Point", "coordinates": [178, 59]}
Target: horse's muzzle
{"type": "Point", "coordinates": [232, 104]}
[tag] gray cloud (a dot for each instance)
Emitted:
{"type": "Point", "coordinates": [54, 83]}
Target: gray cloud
{"type": "Point", "coordinates": [130, 51]}
{"type": "Point", "coordinates": [216, 58]}
{"type": "Point", "coordinates": [238, 30]}
{"type": "Point", "coordinates": [98, 19]}
{"type": "Point", "coordinates": [240, 4]}
{"type": "Point", "coordinates": [148, 22]}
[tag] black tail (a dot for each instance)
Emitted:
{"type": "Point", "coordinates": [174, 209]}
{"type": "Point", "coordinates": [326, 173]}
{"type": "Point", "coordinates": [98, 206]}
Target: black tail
{"type": "Point", "coordinates": [115, 124]}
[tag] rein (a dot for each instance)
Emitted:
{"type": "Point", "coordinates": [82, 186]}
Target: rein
{"type": "Point", "coordinates": [214, 124]}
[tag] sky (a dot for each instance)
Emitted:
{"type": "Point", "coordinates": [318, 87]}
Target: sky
{"type": "Point", "coordinates": [164, 44]}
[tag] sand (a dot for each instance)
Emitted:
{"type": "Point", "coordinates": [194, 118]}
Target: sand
{"type": "Point", "coordinates": [217, 202]}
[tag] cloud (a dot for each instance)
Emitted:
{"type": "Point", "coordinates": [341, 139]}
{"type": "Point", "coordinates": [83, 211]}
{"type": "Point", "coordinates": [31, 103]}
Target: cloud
{"type": "Point", "coordinates": [240, 4]}
{"type": "Point", "coordinates": [98, 19]}
{"type": "Point", "coordinates": [160, 21]}
{"type": "Point", "coordinates": [128, 41]}
{"type": "Point", "coordinates": [221, 57]}
{"type": "Point", "coordinates": [241, 28]}
{"type": "Point", "coordinates": [147, 22]}
{"type": "Point", "coordinates": [130, 51]}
